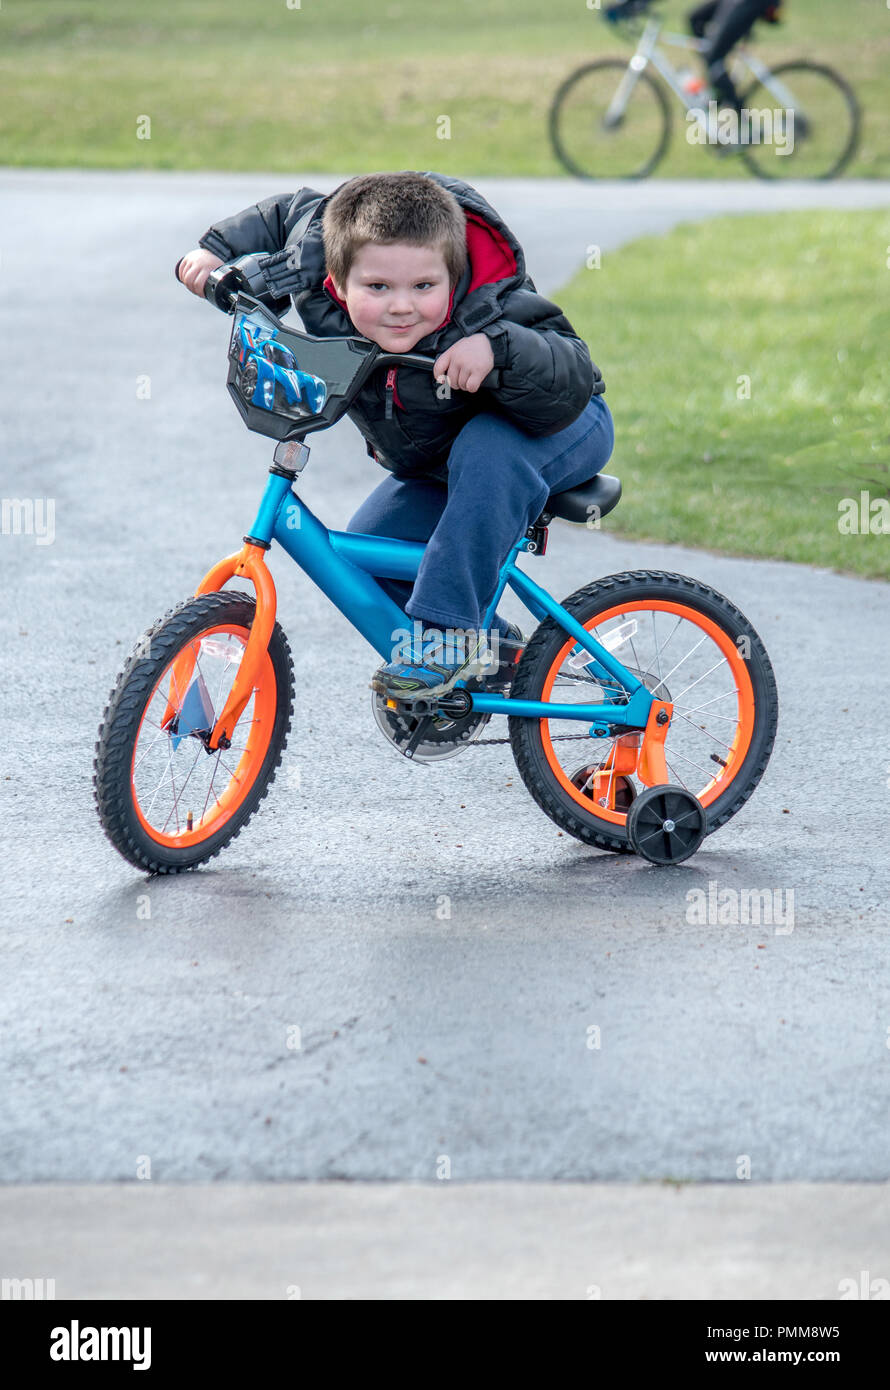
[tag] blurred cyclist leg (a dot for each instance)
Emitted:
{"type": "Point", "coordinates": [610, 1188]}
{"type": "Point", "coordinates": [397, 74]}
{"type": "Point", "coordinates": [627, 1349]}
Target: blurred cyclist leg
{"type": "Point", "coordinates": [727, 22]}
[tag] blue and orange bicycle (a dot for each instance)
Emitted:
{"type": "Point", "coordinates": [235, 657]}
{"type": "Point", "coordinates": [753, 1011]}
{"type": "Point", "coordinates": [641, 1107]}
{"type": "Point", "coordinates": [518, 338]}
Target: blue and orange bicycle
{"type": "Point", "coordinates": [662, 679]}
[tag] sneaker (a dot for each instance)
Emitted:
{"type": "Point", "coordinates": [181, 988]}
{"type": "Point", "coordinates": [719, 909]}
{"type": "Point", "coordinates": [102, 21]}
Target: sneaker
{"type": "Point", "coordinates": [436, 675]}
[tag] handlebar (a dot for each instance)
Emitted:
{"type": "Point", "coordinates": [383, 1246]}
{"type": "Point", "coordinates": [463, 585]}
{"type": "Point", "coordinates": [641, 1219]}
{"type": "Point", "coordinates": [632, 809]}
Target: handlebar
{"type": "Point", "coordinates": [243, 276]}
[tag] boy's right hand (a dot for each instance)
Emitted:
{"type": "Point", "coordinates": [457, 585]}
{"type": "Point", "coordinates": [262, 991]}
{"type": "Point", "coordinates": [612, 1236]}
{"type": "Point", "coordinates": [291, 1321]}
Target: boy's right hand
{"type": "Point", "coordinates": [195, 267]}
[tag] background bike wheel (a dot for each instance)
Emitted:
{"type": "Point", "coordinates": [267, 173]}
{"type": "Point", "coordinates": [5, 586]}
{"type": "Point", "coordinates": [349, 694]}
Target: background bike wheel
{"type": "Point", "coordinates": [827, 123]}
{"type": "Point", "coordinates": [686, 643]}
{"type": "Point", "coordinates": [585, 142]}
{"type": "Point", "coordinates": [164, 801]}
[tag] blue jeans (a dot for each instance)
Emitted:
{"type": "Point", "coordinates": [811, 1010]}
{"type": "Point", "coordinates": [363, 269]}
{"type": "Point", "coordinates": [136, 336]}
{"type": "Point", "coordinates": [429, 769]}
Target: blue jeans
{"type": "Point", "coordinates": [499, 479]}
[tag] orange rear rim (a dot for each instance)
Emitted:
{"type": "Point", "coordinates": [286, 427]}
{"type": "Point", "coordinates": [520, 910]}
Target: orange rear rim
{"type": "Point", "coordinates": [737, 727]}
{"type": "Point", "coordinates": [183, 796]}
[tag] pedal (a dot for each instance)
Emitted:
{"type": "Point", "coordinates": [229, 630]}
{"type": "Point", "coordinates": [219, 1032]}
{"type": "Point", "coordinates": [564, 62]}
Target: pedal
{"type": "Point", "coordinates": [456, 704]}
{"type": "Point", "coordinates": [418, 706]}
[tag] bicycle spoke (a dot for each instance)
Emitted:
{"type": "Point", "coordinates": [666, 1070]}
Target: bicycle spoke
{"type": "Point", "coordinates": [675, 772]}
{"type": "Point", "coordinates": [721, 662]}
{"type": "Point", "coordinates": [685, 658]}
{"type": "Point", "coordinates": [633, 649]}
{"type": "Point", "coordinates": [168, 768]}
{"type": "Point", "coordinates": [706, 772]}
{"type": "Point", "coordinates": [182, 792]}
{"type": "Point", "coordinates": [233, 775]}
{"type": "Point", "coordinates": [657, 652]}
{"type": "Point", "coordinates": [727, 718]}
{"type": "Point", "coordinates": [722, 696]}
{"type": "Point", "coordinates": [161, 733]}
{"type": "Point", "coordinates": [210, 789]}
{"type": "Point", "coordinates": [698, 727]}
{"type": "Point", "coordinates": [663, 646]}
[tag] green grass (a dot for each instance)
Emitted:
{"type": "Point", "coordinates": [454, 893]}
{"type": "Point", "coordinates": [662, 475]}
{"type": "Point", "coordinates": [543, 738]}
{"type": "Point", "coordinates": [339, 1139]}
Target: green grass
{"type": "Point", "coordinates": [344, 86]}
{"type": "Point", "coordinates": [797, 303]}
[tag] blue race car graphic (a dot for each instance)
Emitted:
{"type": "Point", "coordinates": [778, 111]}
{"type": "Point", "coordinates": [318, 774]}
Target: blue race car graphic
{"type": "Point", "coordinates": [269, 376]}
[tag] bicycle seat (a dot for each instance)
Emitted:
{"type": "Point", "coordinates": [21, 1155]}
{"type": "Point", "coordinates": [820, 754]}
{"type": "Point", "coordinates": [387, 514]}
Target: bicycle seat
{"type": "Point", "coordinates": [595, 498]}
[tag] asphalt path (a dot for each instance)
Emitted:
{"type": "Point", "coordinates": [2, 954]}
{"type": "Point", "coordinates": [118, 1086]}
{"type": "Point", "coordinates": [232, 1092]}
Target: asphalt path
{"type": "Point", "coordinates": [434, 1241]}
{"type": "Point", "coordinates": [148, 1019]}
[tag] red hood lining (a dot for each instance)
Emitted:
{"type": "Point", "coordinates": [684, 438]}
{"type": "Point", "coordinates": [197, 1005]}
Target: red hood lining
{"type": "Point", "coordinates": [491, 258]}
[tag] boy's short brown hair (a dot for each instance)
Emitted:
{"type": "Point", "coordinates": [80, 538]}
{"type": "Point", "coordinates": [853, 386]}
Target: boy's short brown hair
{"type": "Point", "coordinates": [383, 208]}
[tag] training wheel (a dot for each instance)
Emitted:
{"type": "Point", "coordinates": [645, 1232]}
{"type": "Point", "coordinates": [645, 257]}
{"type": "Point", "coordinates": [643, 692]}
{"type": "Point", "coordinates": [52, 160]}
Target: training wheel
{"type": "Point", "coordinates": [666, 824]}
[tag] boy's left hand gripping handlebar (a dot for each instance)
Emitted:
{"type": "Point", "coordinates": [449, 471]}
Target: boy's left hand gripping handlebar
{"type": "Point", "coordinates": [227, 281]}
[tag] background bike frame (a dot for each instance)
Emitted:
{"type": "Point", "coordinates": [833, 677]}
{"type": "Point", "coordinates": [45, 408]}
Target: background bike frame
{"type": "Point", "coordinates": [647, 52]}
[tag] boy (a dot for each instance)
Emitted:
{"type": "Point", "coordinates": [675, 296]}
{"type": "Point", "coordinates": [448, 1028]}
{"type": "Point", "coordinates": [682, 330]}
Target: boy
{"type": "Point", "coordinates": [511, 412]}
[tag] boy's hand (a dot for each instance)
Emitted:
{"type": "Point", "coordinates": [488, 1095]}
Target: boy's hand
{"type": "Point", "coordinates": [466, 364]}
{"type": "Point", "coordinates": [195, 267]}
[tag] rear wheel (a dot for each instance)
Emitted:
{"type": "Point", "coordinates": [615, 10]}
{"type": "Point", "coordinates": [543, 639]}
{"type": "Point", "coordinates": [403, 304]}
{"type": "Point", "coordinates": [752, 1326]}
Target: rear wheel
{"type": "Point", "coordinates": [822, 112]}
{"type": "Point", "coordinates": [687, 644]}
{"type": "Point", "coordinates": [166, 801]}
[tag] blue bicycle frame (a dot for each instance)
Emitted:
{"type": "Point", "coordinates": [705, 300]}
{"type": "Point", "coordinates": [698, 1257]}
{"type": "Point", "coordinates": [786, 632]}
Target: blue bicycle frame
{"type": "Point", "coordinates": [344, 564]}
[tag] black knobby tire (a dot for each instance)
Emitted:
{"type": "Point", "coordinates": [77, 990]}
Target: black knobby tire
{"type": "Point", "coordinates": [854, 112]}
{"type": "Point", "coordinates": [556, 111]}
{"type": "Point", "coordinates": [543, 650]}
{"type": "Point", "coordinates": [123, 716]}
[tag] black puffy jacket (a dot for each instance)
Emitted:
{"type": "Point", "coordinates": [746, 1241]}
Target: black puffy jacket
{"type": "Point", "coordinates": [545, 375]}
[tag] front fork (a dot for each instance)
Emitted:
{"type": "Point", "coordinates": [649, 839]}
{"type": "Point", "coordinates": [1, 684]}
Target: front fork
{"type": "Point", "coordinates": [250, 561]}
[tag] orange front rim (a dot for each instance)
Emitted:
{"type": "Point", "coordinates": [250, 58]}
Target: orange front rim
{"type": "Point", "coordinates": [186, 799]}
{"type": "Point", "coordinates": [739, 727]}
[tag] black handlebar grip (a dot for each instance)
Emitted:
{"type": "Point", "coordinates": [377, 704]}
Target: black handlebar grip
{"type": "Point", "coordinates": [222, 285]}
{"type": "Point", "coordinates": [227, 281]}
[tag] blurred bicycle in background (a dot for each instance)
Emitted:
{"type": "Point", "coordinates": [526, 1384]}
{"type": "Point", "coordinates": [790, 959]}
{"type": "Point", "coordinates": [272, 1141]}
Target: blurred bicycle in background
{"type": "Point", "coordinates": [612, 118]}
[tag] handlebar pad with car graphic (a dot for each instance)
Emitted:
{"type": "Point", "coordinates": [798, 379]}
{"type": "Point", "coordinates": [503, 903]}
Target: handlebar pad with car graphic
{"type": "Point", "coordinates": [274, 396]}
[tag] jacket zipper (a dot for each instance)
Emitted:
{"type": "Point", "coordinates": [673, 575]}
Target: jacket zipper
{"type": "Point", "coordinates": [391, 392]}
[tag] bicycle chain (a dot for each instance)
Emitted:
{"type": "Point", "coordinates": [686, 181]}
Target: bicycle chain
{"type": "Point", "coordinates": [554, 738]}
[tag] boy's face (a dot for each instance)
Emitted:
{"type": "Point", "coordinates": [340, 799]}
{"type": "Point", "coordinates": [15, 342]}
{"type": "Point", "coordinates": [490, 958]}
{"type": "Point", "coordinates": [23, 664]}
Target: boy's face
{"type": "Point", "coordinates": [396, 294]}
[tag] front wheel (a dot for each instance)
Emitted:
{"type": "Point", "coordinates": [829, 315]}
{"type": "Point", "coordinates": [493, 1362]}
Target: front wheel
{"type": "Point", "coordinates": [165, 800]}
{"type": "Point", "coordinates": [610, 121]}
{"type": "Point", "coordinates": [688, 645]}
